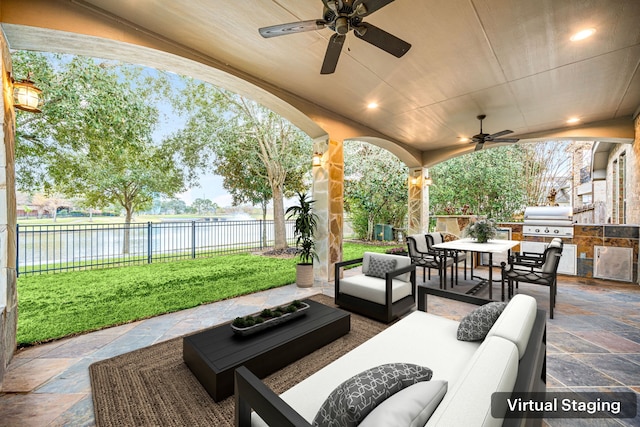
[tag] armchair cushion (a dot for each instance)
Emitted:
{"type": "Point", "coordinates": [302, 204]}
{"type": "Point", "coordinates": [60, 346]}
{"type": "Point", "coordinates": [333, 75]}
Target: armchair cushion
{"type": "Point", "coordinates": [379, 266]}
{"type": "Point", "coordinates": [373, 288]}
{"type": "Point", "coordinates": [356, 397]}
{"type": "Point", "coordinates": [401, 261]}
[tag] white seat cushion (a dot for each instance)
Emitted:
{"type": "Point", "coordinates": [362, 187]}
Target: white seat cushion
{"type": "Point", "coordinates": [374, 289]}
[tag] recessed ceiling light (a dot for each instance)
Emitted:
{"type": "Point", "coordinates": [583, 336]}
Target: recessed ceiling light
{"type": "Point", "coordinates": [581, 35]}
{"type": "Point", "coordinates": [573, 120]}
{"type": "Point", "coordinates": [463, 139]}
{"type": "Point", "coordinates": [372, 105]}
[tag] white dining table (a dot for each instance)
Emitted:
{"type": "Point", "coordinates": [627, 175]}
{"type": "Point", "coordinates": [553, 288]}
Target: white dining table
{"type": "Point", "coordinates": [491, 247]}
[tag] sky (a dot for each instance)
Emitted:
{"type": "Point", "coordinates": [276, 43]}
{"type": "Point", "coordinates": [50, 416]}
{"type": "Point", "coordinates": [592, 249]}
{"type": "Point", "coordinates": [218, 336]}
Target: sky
{"type": "Point", "coordinates": [210, 188]}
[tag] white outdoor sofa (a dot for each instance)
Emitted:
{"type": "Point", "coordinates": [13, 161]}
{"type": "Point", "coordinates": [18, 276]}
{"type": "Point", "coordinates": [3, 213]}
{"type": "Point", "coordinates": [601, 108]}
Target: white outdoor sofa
{"type": "Point", "coordinates": [511, 359]}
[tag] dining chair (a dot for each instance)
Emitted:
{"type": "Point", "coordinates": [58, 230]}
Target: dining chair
{"type": "Point", "coordinates": [421, 257]}
{"type": "Point", "coordinates": [456, 255]}
{"type": "Point", "coordinates": [535, 268]}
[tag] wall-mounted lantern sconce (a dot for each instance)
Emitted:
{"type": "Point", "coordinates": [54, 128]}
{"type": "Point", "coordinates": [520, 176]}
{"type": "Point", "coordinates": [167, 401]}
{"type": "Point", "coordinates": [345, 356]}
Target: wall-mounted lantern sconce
{"type": "Point", "coordinates": [415, 180]}
{"type": "Point", "coordinates": [316, 160]}
{"type": "Point", "coordinates": [26, 96]}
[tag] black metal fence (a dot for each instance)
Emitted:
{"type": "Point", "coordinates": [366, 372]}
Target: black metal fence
{"type": "Point", "coordinates": [49, 248]}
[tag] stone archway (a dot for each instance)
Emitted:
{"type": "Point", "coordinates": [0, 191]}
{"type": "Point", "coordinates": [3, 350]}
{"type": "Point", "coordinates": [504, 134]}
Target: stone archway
{"type": "Point", "coordinates": [318, 123]}
{"type": "Point", "coordinates": [8, 275]}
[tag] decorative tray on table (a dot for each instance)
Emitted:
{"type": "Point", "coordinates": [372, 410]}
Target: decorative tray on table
{"type": "Point", "coordinates": [268, 318]}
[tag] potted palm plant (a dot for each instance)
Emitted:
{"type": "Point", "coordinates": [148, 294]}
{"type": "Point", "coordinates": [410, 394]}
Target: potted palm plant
{"type": "Point", "coordinates": [304, 229]}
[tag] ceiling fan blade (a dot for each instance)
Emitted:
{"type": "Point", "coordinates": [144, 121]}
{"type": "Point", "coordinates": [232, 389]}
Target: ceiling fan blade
{"type": "Point", "coordinates": [369, 6]}
{"type": "Point", "coordinates": [506, 140]}
{"type": "Point", "coordinates": [332, 54]}
{"type": "Point", "coordinates": [381, 39]}
{"type": "Point", "coordinates": [498, 134]}
{"type": "Point", "coordinates": [479, 146]}
{"type": "Point", "coordinates": [292, 27]}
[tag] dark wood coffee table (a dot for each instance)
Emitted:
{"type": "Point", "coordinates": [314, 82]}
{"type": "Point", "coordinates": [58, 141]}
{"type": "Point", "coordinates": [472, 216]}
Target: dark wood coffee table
{"type": "Point", "coordinates": [214, 354]}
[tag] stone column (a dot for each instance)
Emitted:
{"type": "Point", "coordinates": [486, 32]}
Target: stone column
{"type": "Point", "coordinates": [8, 294]}
{"type": "Point", "coordinates": [633, 171]}
{"type": "Point", "coordinates": [418, 201]}
{"type": "Point", "coordinates": [328, 193]}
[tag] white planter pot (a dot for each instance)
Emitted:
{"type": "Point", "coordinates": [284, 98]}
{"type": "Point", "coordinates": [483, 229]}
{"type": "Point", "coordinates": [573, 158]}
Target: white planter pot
{"type": "Point", "coordinates": [304, 275]}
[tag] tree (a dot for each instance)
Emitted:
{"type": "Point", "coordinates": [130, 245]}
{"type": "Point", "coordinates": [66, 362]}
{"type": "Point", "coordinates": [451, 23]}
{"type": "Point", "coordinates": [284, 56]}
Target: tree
{"type": "Point", "coordinates": [260, 155]}
{"type": "Point", "coordinates": [174, 206]}
{"type": "Point", "coordinates": [375, 188]}
{"type": "Point", "coordinates": [94, 138]}
{"type": "Point", "coordinates": [203, 206]}
{"type": "Point", "coordinates": [547, 166]}
{"type": "Point", "coordinates": [487, 182]}
{"type": "Point", "coordinates": [48, 204]}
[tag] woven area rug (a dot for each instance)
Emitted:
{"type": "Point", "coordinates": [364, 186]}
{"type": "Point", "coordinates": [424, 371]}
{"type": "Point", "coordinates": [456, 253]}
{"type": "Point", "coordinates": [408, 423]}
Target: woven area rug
{"type": "Point", "coordinates": [153, 387]}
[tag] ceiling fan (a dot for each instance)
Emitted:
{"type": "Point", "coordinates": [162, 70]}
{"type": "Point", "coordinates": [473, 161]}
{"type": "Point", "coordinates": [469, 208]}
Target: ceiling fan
{"type": "Point", "coordinates": [481, 138]}
{"type": "Point", "coordinates": [342, 16]}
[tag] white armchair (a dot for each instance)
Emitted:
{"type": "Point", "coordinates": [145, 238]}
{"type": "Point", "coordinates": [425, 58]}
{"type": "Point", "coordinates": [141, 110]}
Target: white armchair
{"type": "Point", "coordinates": [384, 291]}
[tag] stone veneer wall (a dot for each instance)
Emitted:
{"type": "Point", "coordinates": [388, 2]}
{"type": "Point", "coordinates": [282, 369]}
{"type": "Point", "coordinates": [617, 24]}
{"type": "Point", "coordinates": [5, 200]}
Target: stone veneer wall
{"type": "Point", "coordinates": [453, 224]}
{"type": "Point", "coordinates": [8, 293]}
{"type": "Point", "coordinates": [328, 193]}
{"type": "Point", "coordinates": [633, 190]}
{"type": "Point", "coordinates": [417, 223]}
{"type": "Point", "coordinates": [418, 201]}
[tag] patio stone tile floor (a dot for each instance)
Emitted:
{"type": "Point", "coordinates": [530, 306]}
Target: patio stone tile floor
{"type": "Point", "coordinates": [593, 345]}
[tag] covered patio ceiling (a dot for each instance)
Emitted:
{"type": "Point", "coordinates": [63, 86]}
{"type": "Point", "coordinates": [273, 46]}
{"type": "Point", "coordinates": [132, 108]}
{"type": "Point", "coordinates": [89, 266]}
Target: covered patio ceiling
{"type": "Point", "coordinates": [512, 60]}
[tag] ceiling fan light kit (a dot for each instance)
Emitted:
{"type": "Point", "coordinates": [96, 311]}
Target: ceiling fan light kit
{"type": "Point", "coordinates": [342, 16]}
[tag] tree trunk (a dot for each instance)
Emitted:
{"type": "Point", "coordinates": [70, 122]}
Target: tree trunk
{"type": "Point", "coordinates": [263, 205]}
{"type": "Point", "coordinates": [127, 231]}
{"type": "Point", "coordinates": [280, 238]}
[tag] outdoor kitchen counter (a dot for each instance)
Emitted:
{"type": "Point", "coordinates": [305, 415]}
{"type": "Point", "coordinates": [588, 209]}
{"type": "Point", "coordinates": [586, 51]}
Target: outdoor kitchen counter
{"type": "Point", "coordinates": [586, 237]}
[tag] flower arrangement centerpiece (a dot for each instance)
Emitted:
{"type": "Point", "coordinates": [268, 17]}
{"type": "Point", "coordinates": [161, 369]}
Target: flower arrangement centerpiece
{"type": "Point", "coordinates": [482, 230]}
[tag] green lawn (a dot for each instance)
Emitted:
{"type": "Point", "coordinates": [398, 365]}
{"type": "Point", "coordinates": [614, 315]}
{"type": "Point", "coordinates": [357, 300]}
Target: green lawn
{"type": "Point", "coordinates": [52, 306]}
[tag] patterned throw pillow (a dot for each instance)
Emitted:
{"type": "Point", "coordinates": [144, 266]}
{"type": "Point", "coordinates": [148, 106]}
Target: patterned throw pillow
{"type": "Point", "coordinates": [352, 400]}
{"type": "Point", "coordinates": [379, 266]}
{"type": "Point", "coordinates": [475, 325]}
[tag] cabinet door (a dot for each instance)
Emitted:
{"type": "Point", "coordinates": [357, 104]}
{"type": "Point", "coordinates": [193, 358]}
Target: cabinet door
{"type": "Point", "coordinates": [613, 263]}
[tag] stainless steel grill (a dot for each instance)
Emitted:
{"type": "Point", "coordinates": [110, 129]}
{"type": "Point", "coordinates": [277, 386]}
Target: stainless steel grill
{"type": "Point", "coordinates": [555, 221]}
